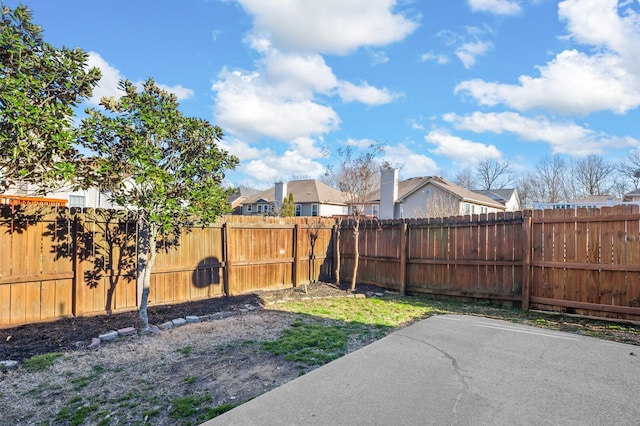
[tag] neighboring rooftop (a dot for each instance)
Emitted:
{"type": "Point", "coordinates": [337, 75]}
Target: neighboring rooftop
{"type": "Point", "coordinates": [304, 191]}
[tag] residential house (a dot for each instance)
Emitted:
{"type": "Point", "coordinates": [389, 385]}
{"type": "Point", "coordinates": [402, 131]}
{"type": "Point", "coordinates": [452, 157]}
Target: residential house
{"type": "Point", "coordinates": [426, 196]}
{"type": "Point", "coordinates": [238, 196]}
{"type": "Point", "coordinates": [91, 197]}
{"type": "Point", "coordinates": [311, 198]}
{"type": "Point", "coordinates": [632, 197]}
{"type": "Point", "coordinates": [589, 202]}
{"type": "Point", "coordinates": [508, 197]}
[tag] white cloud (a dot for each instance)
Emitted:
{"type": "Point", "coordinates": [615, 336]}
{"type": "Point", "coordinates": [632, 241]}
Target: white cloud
{"type": "Point", "coordinates": [247, 107]}
{"type": "Point", "coordinates": [366, 94]}
{"type": "Point", "coordinates": [298, 76]}
{"type": "Point", "coordinates": [573, 83]}
{"type": "Point", "coordinates": [497, 7]}
{"type": "Point", "coordinates": [378, 56]}
{"type": "Point", "coordinates": [328, 26]}
{"type": "Point", "coordinates": [269, 169]}
{"type": "Point", "coordinates": [243, 150]}
{"type": "Point", "coordinates": [563, 137]}
{"type": "Point", "coordinates": [108, 84]}
{"type": "Point", "coordinates": [179, 90]}
{"type": "Point", "coordinates": [598, 23]}
{"type": "Point", "coordinates": [460, 151]}
{"type": "Point", "coordinates": [468, 52]}
{"type": "Point", "coordinates": [576, 82]}
{"type": "Point", "coordinates": [437, 58]}
{"type": "Point", "coordinates": [412, 163]}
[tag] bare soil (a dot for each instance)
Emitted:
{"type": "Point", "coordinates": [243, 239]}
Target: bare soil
{"type": "Point", "coordinates": [140, 379]}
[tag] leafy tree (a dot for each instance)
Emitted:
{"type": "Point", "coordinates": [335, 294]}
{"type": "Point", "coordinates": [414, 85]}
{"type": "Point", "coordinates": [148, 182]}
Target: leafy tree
{"type": "Point", "coordinates": [39, 87]}
{"type": "Point", "coordinates": [288, 206]}
{"type": "Point", "coordinates": [166, 167]}
{"type": "Point", "coordinates": [359, 176]}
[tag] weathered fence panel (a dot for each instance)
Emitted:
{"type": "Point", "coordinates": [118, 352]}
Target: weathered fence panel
{"type": "Point", "coordinates": [36, 283]}
{"type": "Point", "coordinates": [587, 262]}
{"type": "Point", "coordinates": [56, 262]}
{"type": "Point", "coordinates": [60, 262]}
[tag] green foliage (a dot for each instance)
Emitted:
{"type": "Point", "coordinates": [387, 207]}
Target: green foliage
{"type": "Point", "coordinates": [288, 206]}
{"type": "Point", "coordinates": [190, 409]}
{"type": "Point", "coordinates": [166, 167]}
{"type": "Point", "coordinates": [186, 351]}
{"type": "Point", "coordinates": [383, 313]}
{"type": "Point", "coordinates": [41, 362]}
{"type": "Point", "coordinates": [75, 412]}
{"type": "Point", "coordinates": [310, 344]}
{"type": "Point", "coordinates": [152, 158]}
{"type": "Point", "coordinates": [39, 87]}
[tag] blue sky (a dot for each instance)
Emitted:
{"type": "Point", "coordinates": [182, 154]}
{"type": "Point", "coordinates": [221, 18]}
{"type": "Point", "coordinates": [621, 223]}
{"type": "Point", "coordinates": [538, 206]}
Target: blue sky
{"type": "Point", "coordinates": [443, 84]}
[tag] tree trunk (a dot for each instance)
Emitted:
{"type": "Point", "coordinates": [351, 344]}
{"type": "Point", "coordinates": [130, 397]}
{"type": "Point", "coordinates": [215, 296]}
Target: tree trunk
{"type": "Point", "coordinates": [356, 234]}
{"type": "Point", "coordinates": [146, 259]}
{"type": "Point", "coordinates": [337, 255]}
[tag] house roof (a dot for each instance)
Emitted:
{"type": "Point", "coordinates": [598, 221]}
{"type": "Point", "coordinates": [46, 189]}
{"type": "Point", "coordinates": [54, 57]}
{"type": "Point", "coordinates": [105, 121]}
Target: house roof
{"type": "Point", "coordinates": [463, 193]}
{"type": "Point", "coordinates": [596, 199]}
{"type": "Point", "coordinates": [630, 195]}
{"type": "Point", "coordinates": [500, 195]}
{"type": "Point", "coordinates": [409, 186]}
{"type": "Point", "coordinates": [241, 192]}
{"type": "Point", "coordinates": [304, 191]}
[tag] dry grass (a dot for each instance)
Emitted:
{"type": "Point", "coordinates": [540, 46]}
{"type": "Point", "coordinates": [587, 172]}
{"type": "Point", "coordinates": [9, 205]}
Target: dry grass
{"type": "Point", "coordinates": [139, 380]}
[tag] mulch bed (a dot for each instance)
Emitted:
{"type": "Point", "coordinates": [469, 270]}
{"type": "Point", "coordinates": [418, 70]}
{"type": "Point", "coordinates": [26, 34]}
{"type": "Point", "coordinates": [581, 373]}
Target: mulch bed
{"type": "Point", "coordinates": [69, 334]}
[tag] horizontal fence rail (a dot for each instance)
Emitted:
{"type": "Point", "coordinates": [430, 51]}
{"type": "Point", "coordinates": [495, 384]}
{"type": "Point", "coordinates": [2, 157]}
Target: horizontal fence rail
{"type": "Point", "coordinates": [60, 262]}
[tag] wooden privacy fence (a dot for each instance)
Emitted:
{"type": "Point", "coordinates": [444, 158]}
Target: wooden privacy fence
{"type": "Point", "coordinates": [57, 262]}
{"type": "Point", "coordinates": [585, 262]}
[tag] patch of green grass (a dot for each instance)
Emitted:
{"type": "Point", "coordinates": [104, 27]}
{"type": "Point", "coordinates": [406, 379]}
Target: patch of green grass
{"type": "Point", "coordinates": [41, 362]}
{"type": "Point", "coordinates": [186, 351]}
{"type": "Point", "coordinates": [75, 412]}
{"type": "Point", "coordinates": [311, 344]}
{"type": "Point", "coordinates": [82, 381]}
{"type": "Point", "coordinates": [192, 410]}
{"type": "Point", "coordinates": [382, 313]}
{"type": "Point", "coordinates": [190, 380]}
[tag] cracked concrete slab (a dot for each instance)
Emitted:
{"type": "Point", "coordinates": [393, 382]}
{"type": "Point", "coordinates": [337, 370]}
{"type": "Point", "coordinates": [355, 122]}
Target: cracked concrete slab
{"type": "Point", "coordinates": [461, 370]}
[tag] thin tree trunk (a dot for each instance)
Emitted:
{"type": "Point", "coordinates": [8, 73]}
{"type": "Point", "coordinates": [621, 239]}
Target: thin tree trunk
{"type": "Point", "coordinates": [149, 257]}
{"type": "Point", "coordinates": [337, 256]}
{"type": "Point", "coordinates": [356, 234]}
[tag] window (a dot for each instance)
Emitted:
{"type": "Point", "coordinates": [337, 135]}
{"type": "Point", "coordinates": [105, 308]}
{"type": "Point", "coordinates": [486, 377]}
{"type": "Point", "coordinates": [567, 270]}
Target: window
{"type": "Point", "coordinates": [314, 210]}
{"type": "Point", "coordinates": [249, 208]}
{"type": "Point", "coordinates": [76, 201]}
{"type": "Point", "coordinates": [375, 210]}
{"type": "Point", "coordinates": [298, 210]}
{"type": "Point", "coordinates": [259, 208]}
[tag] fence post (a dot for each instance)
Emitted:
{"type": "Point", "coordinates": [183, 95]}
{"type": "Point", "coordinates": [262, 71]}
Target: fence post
{"type": "Point", "coordinates": [526, 261]}
{"type": "Point", "coordinates": [226, 230]}
{"type": "Point", "coordinates": [403, 259]}
{"type": "Point", "coordinates": [79, 288]}
{"type": "Point", "coordinates": [294, 267]}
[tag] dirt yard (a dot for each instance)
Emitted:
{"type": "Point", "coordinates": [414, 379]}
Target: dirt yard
{"type": "Point", "coordinates": [151, 378]}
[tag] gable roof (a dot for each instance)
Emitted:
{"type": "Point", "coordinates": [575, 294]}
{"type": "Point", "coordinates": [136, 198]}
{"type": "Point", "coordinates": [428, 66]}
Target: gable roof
{"type": "Point", "coordinates": [458, 191]}
{"type": "Point", "coordinates": [241, 192]}
{"type": "Point", "coordinates": [304, 191]}
{"type": "Point", "coordinates": [410, 186]}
